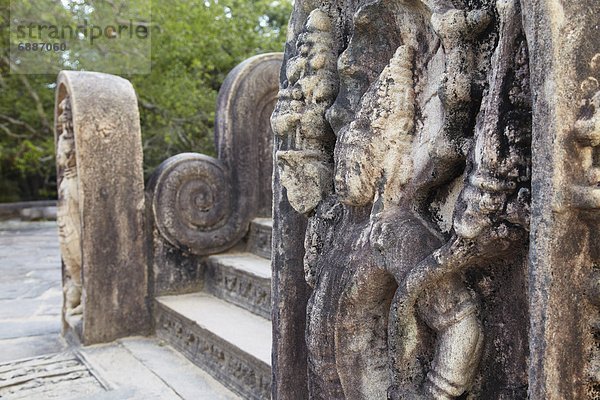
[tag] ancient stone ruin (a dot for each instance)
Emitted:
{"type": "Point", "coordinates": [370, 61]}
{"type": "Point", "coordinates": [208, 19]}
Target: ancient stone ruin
{"type": "Point", "coordinates": [436, 201]}
{"type": "Point", "coordinates": [210, 238]}
{"type": "Point", "coordinates": [435, 209]}
{"type": "Point", "coordinates": [187, 256]}
{"type": "Point", "coordinates": [100, 207]}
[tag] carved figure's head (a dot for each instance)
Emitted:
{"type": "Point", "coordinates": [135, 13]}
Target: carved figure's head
{"type": "Point", "coordinates": [65, 147]}
{"type": "Point", "coordinates": [306, 175]}
{"type": "Point", "coordinates": [355, 173]}
{"type": "Point", "coordinates": [65, 150]}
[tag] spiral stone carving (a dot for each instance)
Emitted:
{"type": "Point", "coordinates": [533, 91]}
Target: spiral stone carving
{"type": "Point", "coordinates": [203, 205]}
{"type": "Point", "coordinates": [192, 202]}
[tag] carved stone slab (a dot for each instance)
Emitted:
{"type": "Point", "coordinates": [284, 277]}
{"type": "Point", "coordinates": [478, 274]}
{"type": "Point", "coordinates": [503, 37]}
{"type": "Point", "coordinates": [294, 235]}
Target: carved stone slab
{"type": "Point", "coordinates": [440, 160]}
{"type": "Point", "coordinates": [242, 279]}
{"type": "Point", "coordinates": [259, 238]}
{"type": "Point", "coordinates": [565, 238]}
{"type": "Point", "coordinates": [52, 376]}
{"type": "Point", "coordinates": [104, 231]}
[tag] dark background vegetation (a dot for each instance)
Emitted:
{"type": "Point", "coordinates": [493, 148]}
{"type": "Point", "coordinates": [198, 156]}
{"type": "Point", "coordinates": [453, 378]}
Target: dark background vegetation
{"type": "Point", "coordinates": [195, 43]}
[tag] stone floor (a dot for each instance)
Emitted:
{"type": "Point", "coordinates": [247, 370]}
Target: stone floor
{"type": "Point", "coordinates": [36, 363]}
{"type": "Point", "coordinates": [30, 290]}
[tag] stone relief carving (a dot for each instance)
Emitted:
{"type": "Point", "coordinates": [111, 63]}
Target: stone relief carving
{"type": "Point", "coordinates": [426, 177]}
{"type": "Point", "coordinates": [301, 112]}
{"type": "Point", "coordinates": [100, 208]}
{"type": "Point", "coordinates": [203, 205]}
{"type": "Point", "coordinates": [586, 193]}
{"type": "Point", "coordinates": [213, 351]}
{"type": "Point", "coordinates": [68, 218]}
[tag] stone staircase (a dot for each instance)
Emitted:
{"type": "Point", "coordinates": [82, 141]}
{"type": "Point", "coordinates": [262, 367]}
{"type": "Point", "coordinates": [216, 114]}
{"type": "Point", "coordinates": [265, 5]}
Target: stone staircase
{"type": "Point", "coordinates": [225, 329]}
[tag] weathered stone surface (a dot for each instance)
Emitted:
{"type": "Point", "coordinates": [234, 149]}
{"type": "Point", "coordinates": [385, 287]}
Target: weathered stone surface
{"type": "Point", "coordinates": [565, 240]}
{"type": "Point", "coordinates": [243, 279]}
{"type": "Point", "coordinates": [173, 271]}
{"type": "Point", "coordinates": [404, 149]}
{"type": "Point", "coordinates": [30, 292]}
{"type": "Point", "coordinates": [49, 377]}
{"type": "Point", "coordinates": [231, 344]}
{"type": "Point", "coordinates": [101, 207]}
{"type": "Point", "coordinates": [184, 378]}
{"type": "Point", "coordinates": [259, 237]}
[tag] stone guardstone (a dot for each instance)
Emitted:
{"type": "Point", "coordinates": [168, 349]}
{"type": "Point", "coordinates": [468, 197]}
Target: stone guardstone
{"type": "Point", "coordinates": [437, 201]}
{"type": "Point", "coordinates": [564, 258]}
{"type": "Point", "coordinates": [100, 207]}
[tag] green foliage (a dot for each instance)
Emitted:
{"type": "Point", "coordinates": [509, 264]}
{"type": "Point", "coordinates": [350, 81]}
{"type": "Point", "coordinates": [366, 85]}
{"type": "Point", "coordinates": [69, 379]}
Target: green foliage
{"type": "Point", "coordinates": [195, 43]}
{"type": "Point", "coordinates": [206, 39]}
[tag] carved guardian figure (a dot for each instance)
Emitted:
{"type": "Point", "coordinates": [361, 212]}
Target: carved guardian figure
{"type": "Point", "coordinates": [413, 167]}
{"type": "Point", "coordinates": [68, 219]}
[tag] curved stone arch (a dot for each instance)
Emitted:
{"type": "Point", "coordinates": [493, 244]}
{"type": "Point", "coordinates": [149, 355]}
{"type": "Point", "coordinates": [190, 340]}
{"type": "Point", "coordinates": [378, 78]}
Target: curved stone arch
{"type": "Point", "coordinates": [106, 128]}
{"type": "Point", "coordinates": [204, 205]}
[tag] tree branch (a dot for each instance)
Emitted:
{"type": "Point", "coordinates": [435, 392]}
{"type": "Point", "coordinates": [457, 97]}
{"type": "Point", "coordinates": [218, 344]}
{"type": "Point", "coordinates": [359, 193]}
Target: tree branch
{"type": "Point", "coordinates": [11, 134]}
{"type": "Point", "coordinates": [18, 123]}
{"type": "Point", "coordinates": [38, 103]}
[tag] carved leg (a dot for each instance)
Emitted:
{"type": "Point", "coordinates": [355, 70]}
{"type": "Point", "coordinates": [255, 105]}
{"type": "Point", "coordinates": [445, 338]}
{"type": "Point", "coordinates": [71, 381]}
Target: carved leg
{"type": "Point", "coordinates": [448, 309]}
{"type": "Point", "coordinates": [323, 270]}
{"type": "Point", "coordinates": [323, 379]}
{"type": "Point", "coordinates": [73, 304]}
{"type": "Point", "coordinates": [361, 331]}
{"type": "Point", "coordinates": [446, 306]}
{"type": "Point", "coordinates": [457, 355]}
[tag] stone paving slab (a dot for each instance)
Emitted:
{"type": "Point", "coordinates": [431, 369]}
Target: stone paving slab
{"type": "Point", "coordinates": [31, 346]}
{"type": "Point", "coordinates": [37, 364]}
{"type": "Point", "coordinates": [188, 381]}
{"type": "Point", "coordinates": [47, 377]}
{"type": "Point", "coordinates": [30, 290]}
{"type": "Point", "coordinates": [12, 329]}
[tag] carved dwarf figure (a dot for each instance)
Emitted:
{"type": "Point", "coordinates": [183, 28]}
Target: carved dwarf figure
{"type": "Point", "coordinates": [68, 219]}
{"type": "Point", "coordinates": [373, 164]}
{"type": "Point", "coordinates": [385, 170]}
{"type": "Point", "coordinates": [586, 195]}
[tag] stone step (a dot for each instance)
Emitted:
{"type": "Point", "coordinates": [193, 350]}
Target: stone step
{"type": "Point", "coordinates": [243, 279]}
{"type": "Point", "coordinates": [259, 238]}
{"type": "Point", "coordinates": [134, 368]}
{"type": "Point", "coordinates": [228, 342]}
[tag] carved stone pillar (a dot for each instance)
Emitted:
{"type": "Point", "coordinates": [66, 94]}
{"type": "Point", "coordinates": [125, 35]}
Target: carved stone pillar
{"type": "Point", "coordinates": [101, 207]}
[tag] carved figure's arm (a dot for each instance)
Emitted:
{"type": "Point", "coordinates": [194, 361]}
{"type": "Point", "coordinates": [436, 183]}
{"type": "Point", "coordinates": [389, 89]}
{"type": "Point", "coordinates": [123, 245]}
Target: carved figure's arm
{"type": "Point", "coordinates": [492, 210]}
